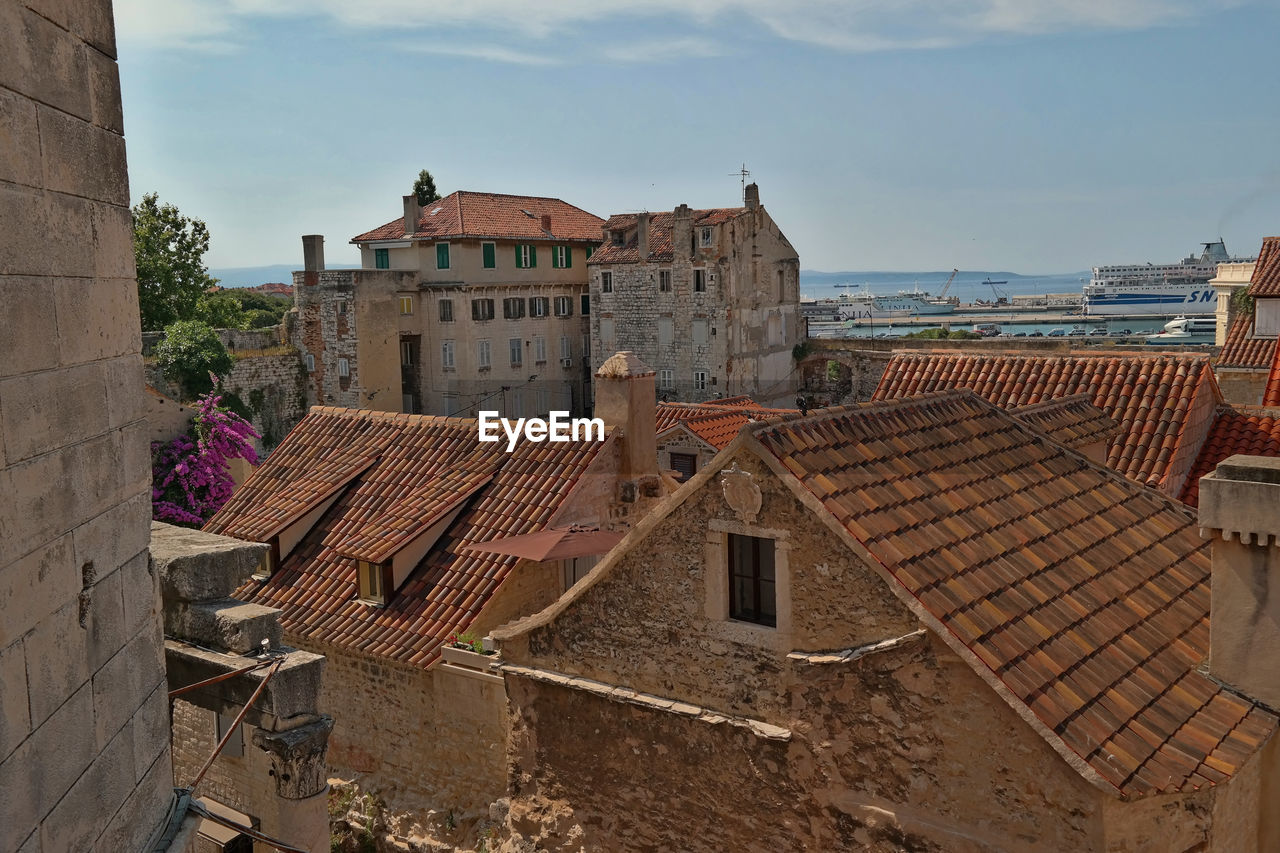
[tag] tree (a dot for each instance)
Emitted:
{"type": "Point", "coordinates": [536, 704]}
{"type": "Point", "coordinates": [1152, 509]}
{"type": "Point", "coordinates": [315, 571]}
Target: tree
{"type": "Point", "coordinates": [168, 249]}
{"type": "Point", "coordinates": [221, 311]}
{"type": "Point", "coordinates": [425, 188]}
{"type": "Point", "coordinates": [191, 475]}
{"type": "Point", "coordinates": [192, 354]}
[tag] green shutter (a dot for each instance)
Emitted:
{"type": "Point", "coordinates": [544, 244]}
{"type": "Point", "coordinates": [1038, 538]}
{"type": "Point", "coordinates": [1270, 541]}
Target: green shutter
{"type": "Point", "coordinates": [442, 256]}
{"type": "Point", "coordinates": [519, 265]}
{"type": "Point", "coordinates": [568, 257]}
{"type": "Point", "coordinates": [533, 256]}
{"type": "Point", "coordinates": [490, 261]}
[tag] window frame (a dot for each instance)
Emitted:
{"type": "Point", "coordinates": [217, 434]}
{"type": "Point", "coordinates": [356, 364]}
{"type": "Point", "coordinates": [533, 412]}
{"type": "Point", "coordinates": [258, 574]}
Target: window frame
{"type": "Point", "coordinates": [382, 259]}
{"type": "Point", "coordinates": [489, 256]}
{"type": "Point", "coordinates": [664, 278]}
{"type": "Point", "coordinates": [539, 306]}
{"type": "Point", "coordinates": [371, 582]}
{"type": "Point", "coordinates": [705, 237]}
{"type": "Point", "coordinates": [446, 310]}
{"type": "Point", "coordinates": [516, 348]}
{"type": "Point", "coordinates": [482, 309]}
{"type": "Point", "coordinates": [699, 279]}
{"type": "Point", "coordinates": [606, 281]}
{"type": "Point", "coordinates": [700, 380]}
{"type": "Point", "coordinates": [716, 591]}
{"type": "Point", "coordinates": [442, 254]}
{"type": "Point", "coordinates": [513, 307]}
{"type": "Point", "coordinates": [539, 349]}
{"type": "Point", "coordinates": [484, 354]}
{"type": "Point", "coordinates": [311, 362]}
{"type": "Point", "coordinates": [406, 302]}
{"type": "Point", "coordinates": [448, 355]}
{"type": "Point", "coordinates": [756, 614]}
{"type": "Point", "coordinates": [566, 302]}
{"type": "Point", "coordinates": [344, 368]}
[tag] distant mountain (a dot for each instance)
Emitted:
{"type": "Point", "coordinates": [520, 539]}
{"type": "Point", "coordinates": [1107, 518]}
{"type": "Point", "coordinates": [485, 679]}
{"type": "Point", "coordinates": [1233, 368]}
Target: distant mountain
{"type": "Point", "coordinates": [254, 276]}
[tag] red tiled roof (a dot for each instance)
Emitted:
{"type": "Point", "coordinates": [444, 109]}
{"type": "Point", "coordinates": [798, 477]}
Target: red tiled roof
{"type": "Point", "coordinates": [660, 229]}
{"type": "Point", "coordinates": [1271, 395]}
{"type": "Point", "coordinates": [1084, 594]}
{"type": "Point", "coordinates": [1266, 272]}
{"type": "Point", "coordinates": [1253, 430]}
{"type": "Point", "coordinates": [1072, 421]}
{"type": "Point", "coordinates": [395, 475]}
{"type": "Point", "coordinates": [1242, 349]}
{"type": "Point", "coordinates": [671, 414]}
{"type": "Point", "coordinates": [1157, 399]}
{"type": "Point", "coordinates": [464, 214]}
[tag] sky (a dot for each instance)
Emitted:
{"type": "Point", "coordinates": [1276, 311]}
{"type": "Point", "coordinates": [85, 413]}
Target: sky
{"type": "Point", "coordinates": [1034, 136]}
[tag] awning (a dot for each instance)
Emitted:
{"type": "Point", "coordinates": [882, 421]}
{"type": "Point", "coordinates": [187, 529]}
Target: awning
{"type": "Point", "coordinates": [556, 543]}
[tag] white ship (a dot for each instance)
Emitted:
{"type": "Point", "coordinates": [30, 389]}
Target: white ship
{"type": "Point", "coordinates": [1186, 330]}
{"type": "Point", "coordinates": [1167, 289]}
{"type": "Point", "coordinates": [865, 305]}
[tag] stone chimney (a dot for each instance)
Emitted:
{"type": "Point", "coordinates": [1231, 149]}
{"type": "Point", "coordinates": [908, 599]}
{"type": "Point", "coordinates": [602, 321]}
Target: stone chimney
{"type": "Point", "coordinates": [642, 235]}
{"type": "Point", "coordinates": [682, 229]}
{"type": "Point", "coordinates": [752, 196]}
{"type": "Point", "coordinates": [412, 213]}
{"type": "Point", "coordinates": [546, 222]}
{"type": "Point", "coordinates": [1240, 511]}
{"type": "Point", "coordinates": [313, 252]}
{"type": "Point", "coordinates": [626, 400]}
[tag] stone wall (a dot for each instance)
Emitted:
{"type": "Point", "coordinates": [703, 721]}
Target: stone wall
{"type": "Point", "coordinates": [240, 778]}
{"type": "Point", "coordinates": [84, 734]}
{"type": "Point", "coordinates": [232, 339]}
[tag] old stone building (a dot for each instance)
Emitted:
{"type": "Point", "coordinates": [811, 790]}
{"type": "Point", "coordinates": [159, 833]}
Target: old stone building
{"type": "Point", "coordinates": [1251, 345]}
{"type": "Point", "coordinates": [390, 534]}
{"type": "Point", "coordinates": [709, 298]}
{"type": "Point", "coordinates": [477, 301]}
{"type": "Point", "coordinates": [920, 624]}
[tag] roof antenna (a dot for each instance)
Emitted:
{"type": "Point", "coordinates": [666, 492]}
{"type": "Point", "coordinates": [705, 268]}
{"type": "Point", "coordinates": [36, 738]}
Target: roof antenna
{"type": "Point", "coordinates": [743, 174]}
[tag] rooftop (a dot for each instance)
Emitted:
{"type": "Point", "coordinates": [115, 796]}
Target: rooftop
{"type": "Point", "coordinates": [465, 214]}
{"type": "Point", "coordinates": [717, 423]}
{"type": "Point", "coordinates": [660, 230]}
{"type": "Point", "coordinates": [1073, 422]}
{"type": "Point", "coordinates": [1242, 349]}
{"type": "Point", "coordinates": [1252, 430]}
{"type": "Point", "coordinates": [1266, 272]}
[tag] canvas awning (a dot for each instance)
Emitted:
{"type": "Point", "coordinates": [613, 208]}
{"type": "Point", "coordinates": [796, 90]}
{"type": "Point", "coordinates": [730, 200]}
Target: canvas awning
{"type": "Point", "coordinates": [556, 543]}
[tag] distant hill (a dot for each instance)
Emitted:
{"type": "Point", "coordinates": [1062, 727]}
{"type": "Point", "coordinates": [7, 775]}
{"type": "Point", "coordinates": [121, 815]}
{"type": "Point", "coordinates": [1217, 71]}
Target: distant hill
{"type": "Point", "coordinates": [969, 285]}
{"type": "Point", "coordinates": [254, 276]}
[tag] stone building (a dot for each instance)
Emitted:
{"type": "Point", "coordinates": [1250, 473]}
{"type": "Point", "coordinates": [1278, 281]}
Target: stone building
{"type": "Point", "coordinates": [390, 534]}
{"type": "Point", "coordinates": [477, 301]}
{"type": "Point", "coordinates": [919, 624]}
{"type": "Point", "coordinates": [709, 298]}
{"type": "Point", "coordinates": [1251, 342]}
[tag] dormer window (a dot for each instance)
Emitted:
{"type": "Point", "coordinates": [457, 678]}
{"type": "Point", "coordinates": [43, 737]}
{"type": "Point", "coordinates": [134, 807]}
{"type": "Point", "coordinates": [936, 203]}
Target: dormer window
{"type": "Point", "coordinates": [619, 238]}
{"type": "Point", "coordinates": [270, 561]}
{"type": "Point", "coordinates": [371, 581]}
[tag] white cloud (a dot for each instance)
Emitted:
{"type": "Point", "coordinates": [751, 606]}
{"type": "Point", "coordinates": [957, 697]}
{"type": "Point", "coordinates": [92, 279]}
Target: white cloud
{"type": "Point", "coordinates": [492, 25]}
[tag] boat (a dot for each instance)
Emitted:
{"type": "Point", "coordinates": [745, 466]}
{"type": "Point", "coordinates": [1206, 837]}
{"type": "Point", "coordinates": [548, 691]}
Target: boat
{"type": "Point", "coordinates": [1181, 288]}
{"type": "Point", "coordinates": [1186, 330]}
{"type": "Point", "coordinates": [866, 305]}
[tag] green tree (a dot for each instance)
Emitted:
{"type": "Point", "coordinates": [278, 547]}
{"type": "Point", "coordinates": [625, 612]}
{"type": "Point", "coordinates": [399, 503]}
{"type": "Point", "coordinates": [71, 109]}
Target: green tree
{"type": "Point", "coordinates": [191, 354]}
{"type": "Point", "coordinates": [425, 188]}
{"type": "Point", "coordinates": [222, 311]}
{"type": "Point", "coordinates": [168, 249]}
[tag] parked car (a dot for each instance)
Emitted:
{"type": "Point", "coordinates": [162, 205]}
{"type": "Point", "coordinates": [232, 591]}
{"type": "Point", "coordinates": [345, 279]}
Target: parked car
{"type": "Point", "coordinates": [1019, 334]}
{"type": "Point", "coordinates": [1035, 334]}
{"type": "Point", "coordinates": [1057, 333]}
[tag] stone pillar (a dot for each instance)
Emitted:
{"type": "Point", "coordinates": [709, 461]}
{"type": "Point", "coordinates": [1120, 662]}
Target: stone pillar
{"type": "Point", "coordinates": [682, 231]}
{"type": "Point", "coordinates": [626, 400]}
{"type": "Point", "coordinates": [298, 768]}
{"type": "Point", "coordinates": [642, 236]}
{"type": "Point", "coordinates": [312, 253]}
{"type": "Point", "coordinates": [1240, 510]}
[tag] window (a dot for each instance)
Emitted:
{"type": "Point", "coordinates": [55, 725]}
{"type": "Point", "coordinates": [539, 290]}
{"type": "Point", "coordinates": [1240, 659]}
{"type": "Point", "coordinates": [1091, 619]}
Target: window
{"type": "Point", "coordinates": [664, 281]}
{"type": "Point", "coordinates": [340, 307]}
{"type": "Point", "coordinates": [782, 288]}
{"type": "Point", "coordinates": [667, 379]}
{"type": "Point", "coordinates": [526, 256]}
{"type": "Point", "coordinates": [564, 306]}
{"type": "Point", "coordinates": [442, 256]}
{"type": "Point", "coordinates": [481, 309]}
{"type": "Point", "coordinates": [344, 368]}
{"type": "Point", "coordinates": [606, 334]}
{"type": "Point", "coordinates": [699, 280]}
{"type": "Point", "coordinates": [685, 465]}
{"type": "Point", "coordinates": [586, 305]}
{"type": "Point", "coordinates": [566, 348]}
{"type": "Point", "coordinates": [446, 310]}
{"type": "Point", "coordinates": [618, 237]}
{"type": "Point", "coordinates": [406, 353]}
{"type": "Point", "coordinates": [539, 306]}
{"type": "Point", "coordinates": [539, 350]}
{"type": "Point", "coordinates": [698, 332]}
{"type": "Point", "coordinates": [606, 282]}
{"type": "Point", "coordinates": [561, 257]}
{"type": "Point", "coordinates": [699, 380]}
{"type": "Point", "coordinates": [705, 239]}
{"type": "Point", "coordinates": [447, 360]}
{"type": "Point", "coordinates": [381, 259]}
{"type": "Point", "coordinates": [751, 580]}
{"type": "Point", "coordinates": [311, 363]}
{"type": "Point", "coordinates": [489, 256]}
{"type": "Point", "coordinates": [406, 305]}
{"type": "Point", "coordinates": [483, 355]}
{"type": "Point", "coordinates": [513, 307]}
{"type": "Point", "coordinates": [234, 747]}
{"type": "Point", "coordinates": [370, 582]}
{"type": "Point", "coordinates": [666, 331]}
{"type": "Point", "coordinates": [517, 351]}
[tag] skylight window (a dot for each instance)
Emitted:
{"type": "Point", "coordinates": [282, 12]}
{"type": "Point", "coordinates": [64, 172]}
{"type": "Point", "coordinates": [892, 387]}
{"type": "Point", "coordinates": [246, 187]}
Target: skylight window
{"type": "Point", "coordinates": [437, 210]}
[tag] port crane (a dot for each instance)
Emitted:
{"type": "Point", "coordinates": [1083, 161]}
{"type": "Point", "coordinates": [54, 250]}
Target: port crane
{"type": "Point", "coordinates": [947, 286]}
{"type": "Point", "coordinates": [1002, 297]}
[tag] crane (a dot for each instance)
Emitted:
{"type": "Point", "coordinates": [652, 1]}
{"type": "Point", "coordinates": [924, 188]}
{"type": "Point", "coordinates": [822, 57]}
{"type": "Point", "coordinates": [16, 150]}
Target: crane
{"type": "Point", "coordinates": [947, 286]}
{"type": "Point", "coordinates": [1001, 296]}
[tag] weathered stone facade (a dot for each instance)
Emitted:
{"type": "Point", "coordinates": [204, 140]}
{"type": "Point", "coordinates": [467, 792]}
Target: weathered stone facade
{"type": "Point", "coordinates": [712, 306]}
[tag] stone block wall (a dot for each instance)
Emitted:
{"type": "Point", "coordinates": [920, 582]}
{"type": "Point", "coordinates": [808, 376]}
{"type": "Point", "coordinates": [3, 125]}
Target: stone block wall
{"type": "Point", "coordinates": [274, 389]}
{"type": "Point", "coordinates": [232, 339]}
{"type": "Point", "coordinates": [84, 733]}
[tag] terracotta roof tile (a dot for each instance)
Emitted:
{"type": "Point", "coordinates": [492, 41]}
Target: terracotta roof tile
{"type": "Point", "coordinates": [1266, 272]}
{"type": "Point", "coordinates": [494, 216]}
{"type": "Point", "coordinates": [1252, 430]}
{"type": "Point", "coordinates": [660, 230]}
{"type": "Point", "coordinates": [1242, 349]}
{"type": "Point", "coordinates": [1271, 395]}
{"type": "Point", "coordinates": [1084, 593]}
{"type": "Point", "coordinates": [1071, 421]}
{"type": "Point", "coordinates": [393, 476]}
{"type": "Point", "coordinates": [717, 423]}
{"type": "Point", "coordinates": [1158, 400]}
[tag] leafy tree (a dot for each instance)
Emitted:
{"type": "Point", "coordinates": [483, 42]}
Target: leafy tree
{"type": "Point", "coordinates": [425, 188]}
{"type": "Point", "coordinates": [191, 354]}
{"type": "Point", "coordinates": [169, 252]}
{"type": "Point", "coordinates": [191, 475]}
{"type": "Point", "coordinates": [221, 311]}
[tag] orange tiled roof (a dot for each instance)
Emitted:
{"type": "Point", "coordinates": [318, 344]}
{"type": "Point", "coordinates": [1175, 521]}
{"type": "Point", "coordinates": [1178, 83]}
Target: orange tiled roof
{"type": "Point", "coordinates": [671, 414]}
{"type": "Point", "coordinates": [1072, 421]}
{"type": "Point", "coordinates": [1271, 394]}
{"type": "Point", "coordinates": [465, 214]}
{"type": "Point", "coordinates": [395, 475]}
{"type": "Point", "coordinates": [1266, 272]}
{"type": "Point", "coordinates": [1253, 430]}
{"type": "Point", "coordinates": [1084, 594]}
{"type": "Point", "coordinates": [660, 229]}
{"type": "Point", "coordinates": [1242, 349]}
{"type": "Point", "coordinates": [1151, 396]}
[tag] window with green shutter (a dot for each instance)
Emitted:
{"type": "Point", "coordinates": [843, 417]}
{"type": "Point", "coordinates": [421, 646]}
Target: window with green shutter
{"type": "Point", "coordinates": [489, 251]}
{"type": "Point", "coordinates": [526, 256]}
{"type": "Point", "coordinates": [533, 256]}
{"type": "Point", "coordinates": [442, 256]}
{"type": "Point", "coordinates": [568, 257]}
{"type": "Point", "coordinates": [381, 259]}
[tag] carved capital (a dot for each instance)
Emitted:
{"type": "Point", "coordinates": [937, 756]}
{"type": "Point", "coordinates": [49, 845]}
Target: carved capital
{"type": "Point", "coordinates": [297, 758]}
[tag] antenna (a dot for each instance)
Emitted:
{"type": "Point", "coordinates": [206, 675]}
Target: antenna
{"type": "Point", "coordinates": [743, 174]}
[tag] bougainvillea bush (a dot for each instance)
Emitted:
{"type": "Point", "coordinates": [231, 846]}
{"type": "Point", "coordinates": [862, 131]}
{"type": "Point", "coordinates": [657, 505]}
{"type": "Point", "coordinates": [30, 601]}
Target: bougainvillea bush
{"type": "Point", "coordinates": [191, 475]}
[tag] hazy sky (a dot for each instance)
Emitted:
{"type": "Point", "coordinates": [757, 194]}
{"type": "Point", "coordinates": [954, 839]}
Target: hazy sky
{"type": "Point", "coordinates": [1027, 135]}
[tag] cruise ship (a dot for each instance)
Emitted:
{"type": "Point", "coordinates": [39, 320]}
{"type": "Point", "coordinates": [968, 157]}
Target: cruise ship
{"type": "Point", "coordinates": [867, 306]}
{"type": "Point", "coordinates": [1159, 289]}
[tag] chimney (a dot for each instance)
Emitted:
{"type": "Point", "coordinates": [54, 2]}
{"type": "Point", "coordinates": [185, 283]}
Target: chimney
{"type": "Point", "coordinates": [1240, 511]}
{"type": "Point", "coordinates": [626, 400]}
{"type": "Point", "coordinates": [313, 252]}
{"type": "Point", "coordinates": [546, 222]}
{"type": "Point", "coordinates": [642, 235]}
{"type": "Point", "coordinates": [752, 196]}
{"type": "Point", "coordinates": [682, 229]}
{"type": "Point", "coordinates": [412, 213]}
